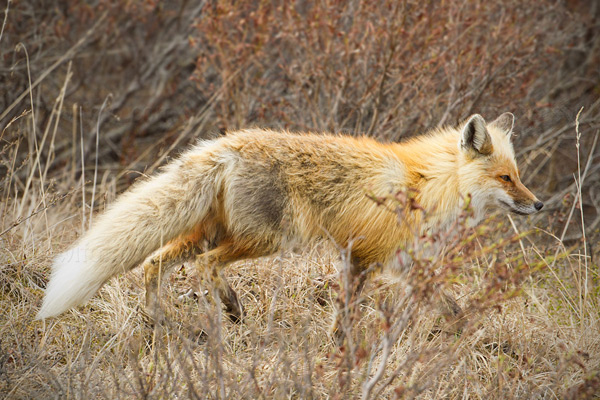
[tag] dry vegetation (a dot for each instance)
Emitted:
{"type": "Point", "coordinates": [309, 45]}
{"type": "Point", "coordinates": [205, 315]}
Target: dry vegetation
{"type": "Point", "coordinates": [96, 93]}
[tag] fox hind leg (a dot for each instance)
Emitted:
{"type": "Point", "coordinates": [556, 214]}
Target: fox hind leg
{"type": "Point", "coordinates": [210, 265]}
{"type": "Point", "coordinates": [233, 306]}
{"type": "Point", "coordinates": [160, 264]}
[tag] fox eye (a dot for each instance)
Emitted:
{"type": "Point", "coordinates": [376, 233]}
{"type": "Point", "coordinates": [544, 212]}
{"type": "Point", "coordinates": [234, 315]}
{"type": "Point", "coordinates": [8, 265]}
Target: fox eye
{"type": "Point", "coordinates": [505, 178]}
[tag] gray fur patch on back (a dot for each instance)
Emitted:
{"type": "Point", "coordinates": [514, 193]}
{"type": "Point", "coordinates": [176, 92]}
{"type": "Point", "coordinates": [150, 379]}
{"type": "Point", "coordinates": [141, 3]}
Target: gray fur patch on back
{"type": "Point", "coordinates": [260, 193]}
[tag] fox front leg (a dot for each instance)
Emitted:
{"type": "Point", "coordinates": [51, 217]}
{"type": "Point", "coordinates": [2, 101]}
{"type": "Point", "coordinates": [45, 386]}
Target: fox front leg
{"type": "Point", "coordinates": [357, 274]}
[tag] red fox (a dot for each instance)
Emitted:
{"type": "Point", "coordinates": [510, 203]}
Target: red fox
{"type": "Point", "coordinates": [247, 194]}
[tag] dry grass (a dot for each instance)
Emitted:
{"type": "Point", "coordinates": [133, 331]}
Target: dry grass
{"type": "Point", "coordinates": [530, 286]}
{"type": "Point", "coordinates": [532, 329]}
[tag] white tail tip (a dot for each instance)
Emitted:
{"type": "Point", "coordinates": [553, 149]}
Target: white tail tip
{"type": "Point", "coordinates": [74, 280]}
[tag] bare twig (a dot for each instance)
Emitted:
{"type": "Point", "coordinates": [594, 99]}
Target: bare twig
{"type": "Point", "coordinates": [38, 210]}
{"type": "Point", "coordinates": [5, 18]}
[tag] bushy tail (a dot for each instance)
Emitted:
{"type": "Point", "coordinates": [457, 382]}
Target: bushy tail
{"type": "Point", "coordinates": [139, 222]}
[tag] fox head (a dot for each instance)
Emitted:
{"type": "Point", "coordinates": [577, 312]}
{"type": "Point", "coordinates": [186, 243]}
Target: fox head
{"type": "Point", "coordinates": [488, 170]}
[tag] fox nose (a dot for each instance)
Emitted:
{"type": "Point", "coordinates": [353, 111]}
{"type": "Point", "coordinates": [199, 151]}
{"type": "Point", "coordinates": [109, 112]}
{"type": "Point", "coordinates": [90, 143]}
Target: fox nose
{"type": "Point", "coordinates": [538, 205]}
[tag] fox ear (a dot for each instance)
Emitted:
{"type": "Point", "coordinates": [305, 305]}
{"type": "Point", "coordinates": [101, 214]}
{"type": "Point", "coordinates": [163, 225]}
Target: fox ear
{"type": "Point", "coordinates": [505, 122]}
{"type": "Point", "coordinates": [475, 137]}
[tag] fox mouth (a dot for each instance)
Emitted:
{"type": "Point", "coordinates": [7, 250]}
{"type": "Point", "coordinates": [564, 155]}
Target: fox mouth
{"type": "Point", "coordinates": [518, 209]}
